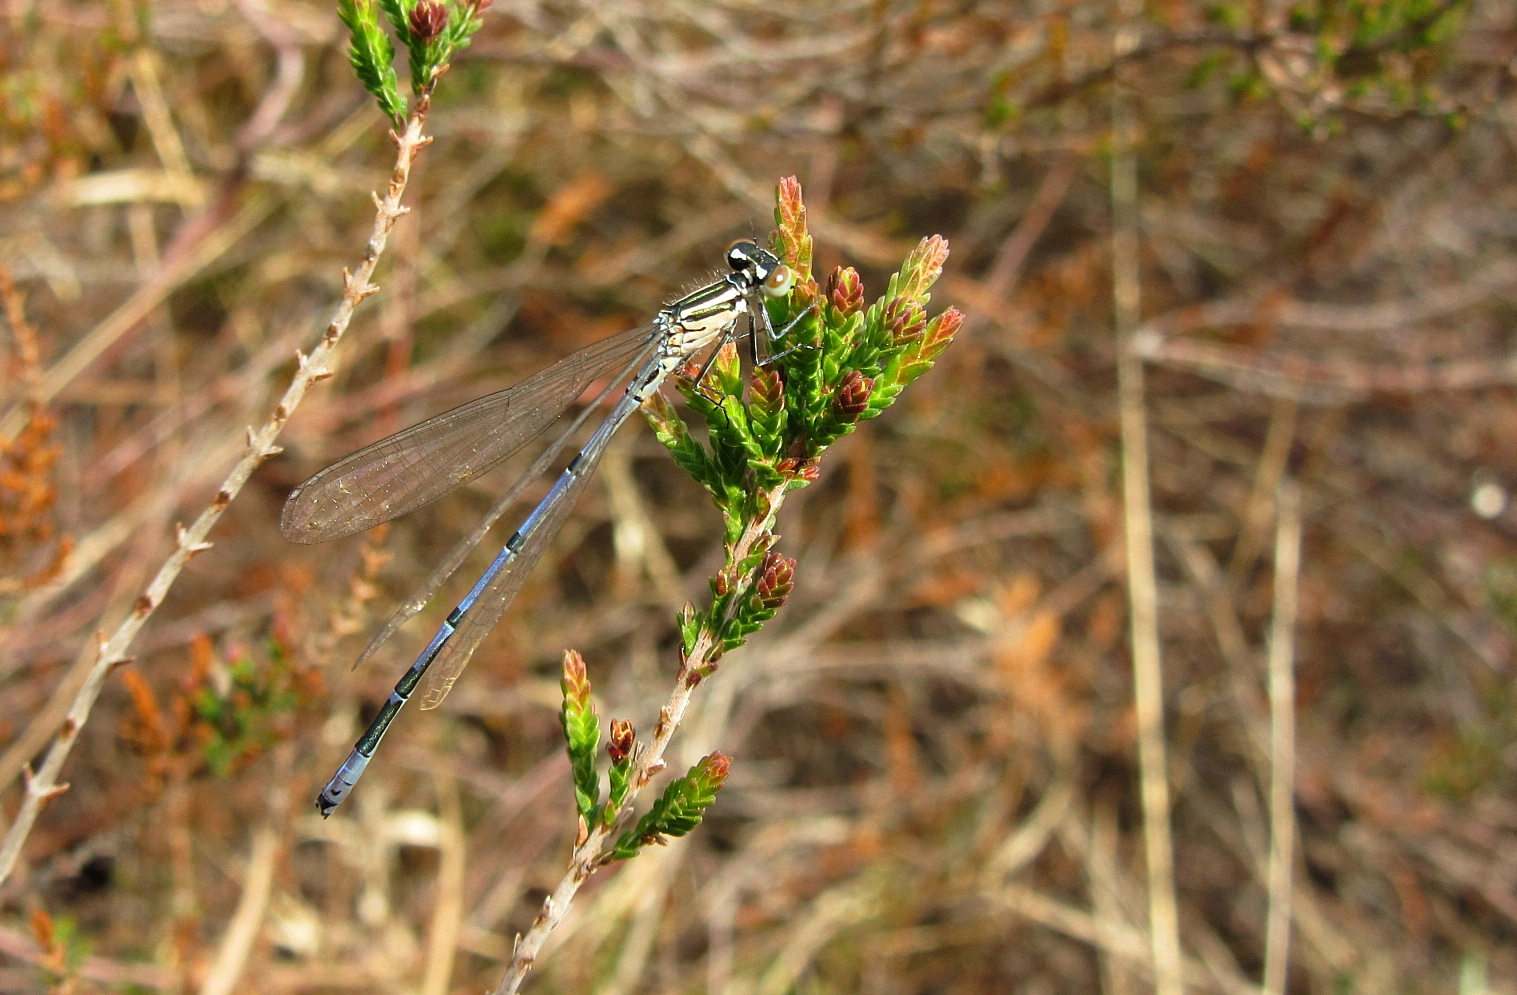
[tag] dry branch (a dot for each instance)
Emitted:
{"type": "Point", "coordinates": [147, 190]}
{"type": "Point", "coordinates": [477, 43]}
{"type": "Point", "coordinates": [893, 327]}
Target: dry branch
{"type": "Point", "coordinates": [1142, 588]}
{"type": "Point", "coordinates": [588, 853]}
{"type": "Point", "coordinates": [1282, 753]}
{"type": "Point", "coordinates": [112, 652]}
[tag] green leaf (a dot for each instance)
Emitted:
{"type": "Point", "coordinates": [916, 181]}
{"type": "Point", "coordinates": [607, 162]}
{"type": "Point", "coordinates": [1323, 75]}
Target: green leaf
{"type": "Point", "coordinates": [618, 778]}
{"type": "Point", "coordinates": [766, 412]}
{"type": "Point", "coordinates": [670, 429]}
{"type": "Point", "coordinates": [581, 733]}
{"type": "Point", "coordinates": [461, 29]}
{"type": "Point", "coordinates": [793, 239]}
{"type": "Point", "coordinates": [621, 748]}
{"type": "Point", "coordinates": [429, 40]}
{"type": "Point", "coordinates": [423, 63]}
{"type": "Point", "coordinates": [727, 371]}
{"type": "Point", "coordinates": [372, 56]}
{"type": "Point", "coordinates": [690, 624]}
{"type": "Point", "coordinates": [922, 269]}
{"type": "Point", "coordinates": [398, 13]}
{"type": "Point", "coordinates": [680, 809]}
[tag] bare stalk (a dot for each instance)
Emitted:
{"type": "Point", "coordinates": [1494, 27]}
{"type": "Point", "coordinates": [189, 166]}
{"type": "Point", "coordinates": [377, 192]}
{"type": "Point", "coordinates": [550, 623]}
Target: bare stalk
{"type": "Point", "coordinates": [1148, 676]}
{"type": "Point", "coordinates": [112, 653]}
{"type": "Point", "coordinates": [242, 932]}
{"type": "Point", "coordinates": [588, 853]}
{"type": "Point", "coordinates": [1282, 738]}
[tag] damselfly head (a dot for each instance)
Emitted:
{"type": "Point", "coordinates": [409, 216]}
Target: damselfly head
{"type": "Point", "coordinates": [761, 268]}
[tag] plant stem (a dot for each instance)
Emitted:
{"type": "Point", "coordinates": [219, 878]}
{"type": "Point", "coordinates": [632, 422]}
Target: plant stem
{"type": "Point", "coordinates": [588, 853]}
{"type": "Point", "coordinates": [1137, 518]}
{"type": "Point", "coordinates": [112, 653]}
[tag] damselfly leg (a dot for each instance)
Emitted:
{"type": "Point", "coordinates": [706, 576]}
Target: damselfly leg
{"type": "Point", "coordinates": [768, 336]}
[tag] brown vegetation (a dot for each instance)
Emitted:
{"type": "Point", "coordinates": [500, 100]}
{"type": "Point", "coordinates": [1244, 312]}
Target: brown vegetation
{"type": "Point", "coordinates": [1050, 600]}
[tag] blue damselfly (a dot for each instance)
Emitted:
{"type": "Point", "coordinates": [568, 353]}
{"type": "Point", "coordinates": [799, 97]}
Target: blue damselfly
{"type": "Point", "coordinates": [420, 464]}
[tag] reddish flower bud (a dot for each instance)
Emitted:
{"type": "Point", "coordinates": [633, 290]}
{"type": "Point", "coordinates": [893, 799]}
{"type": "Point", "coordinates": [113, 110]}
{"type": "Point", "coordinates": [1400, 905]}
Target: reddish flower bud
{"type": "Point", "coordinates": [768, 389]}
{"type": "Point", "coordinates": [722, 584]}
{"type": "Point", "coordinates": [847, 291]}
{"type": "Point", "coordinates": [619, 746]}
{"type": "Point", "coordinates": [716, 767]}
{"type": "Point", "coordinates": [428, 19]}
{"type": "Point", "coordinates": [776, 578]}
{"type": "Point", "coordinates": [852, 396]}
{"type": "Point", "coordinates": [799, 468]}
{"type": "Point", "coordinates": [907, 323]}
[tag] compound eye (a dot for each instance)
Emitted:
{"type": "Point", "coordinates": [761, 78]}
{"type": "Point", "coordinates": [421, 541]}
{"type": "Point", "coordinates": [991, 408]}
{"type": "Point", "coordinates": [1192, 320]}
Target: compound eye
{"type": "Point", "coordinates": [740, 254]}
{"type": "Point", "coordinates": [777, 283]}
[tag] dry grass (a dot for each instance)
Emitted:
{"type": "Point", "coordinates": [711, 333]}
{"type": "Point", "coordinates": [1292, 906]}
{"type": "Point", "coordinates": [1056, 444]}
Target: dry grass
{"type": "Point", "coordinates": [936, 783]}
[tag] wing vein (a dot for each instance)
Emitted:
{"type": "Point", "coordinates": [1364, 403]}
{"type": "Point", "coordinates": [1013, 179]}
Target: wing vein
{"type": "Point", "coordinates": [420, 464]}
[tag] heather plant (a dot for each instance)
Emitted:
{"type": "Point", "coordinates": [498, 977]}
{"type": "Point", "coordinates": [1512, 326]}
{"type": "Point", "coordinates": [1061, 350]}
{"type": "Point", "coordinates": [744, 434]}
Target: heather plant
{"type": "Point", "coordinates": [1307, 209]}
{"type": "Point", "coordinates": [838, 364]}
{"type": "Point", "coordinates": [431, 31]}
{"type": "Point", "coordinates": [221, 715]}
{"type": "Point", "coordinates": [1325, 59]}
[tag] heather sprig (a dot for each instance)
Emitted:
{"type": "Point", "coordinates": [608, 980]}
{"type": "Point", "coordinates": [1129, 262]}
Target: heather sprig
{"type": "Point", "coordinates": [679, 809]}
{"type": "Point", "coordinates": [372, 56]}
{"type": "Point", "coordinates": [767, 428]}
{"type": "Point", "coordinates": [581, 733]}
{"type": "Point", "coordinates": [581, 728]}
{"type": "Point", "coordinates": [432, 31]}
{"type": "Point", "coordinates": [839, 365]}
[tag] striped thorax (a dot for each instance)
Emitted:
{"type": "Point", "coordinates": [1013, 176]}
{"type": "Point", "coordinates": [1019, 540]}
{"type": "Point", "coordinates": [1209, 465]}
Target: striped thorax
{"type": "Point", "coordinates": [706, 316]}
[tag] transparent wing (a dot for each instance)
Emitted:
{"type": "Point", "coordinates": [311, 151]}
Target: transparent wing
{"type": "Point", "coordinates": [500, 592]}
{"type": "Point", "coordinates": [424, 591]}
{"type": "Point", "coordinates": [420, 464]}
{"type": "Point", "coordinates": [502, 587]}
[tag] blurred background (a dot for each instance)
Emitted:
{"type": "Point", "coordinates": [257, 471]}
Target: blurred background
{"type": "Point", "coordinates": [935, 782]}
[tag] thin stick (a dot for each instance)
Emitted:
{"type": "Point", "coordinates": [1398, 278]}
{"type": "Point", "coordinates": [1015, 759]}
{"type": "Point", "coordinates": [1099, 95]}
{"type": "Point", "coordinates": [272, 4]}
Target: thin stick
{"type": "Point", "coordinates": [143, 71]}
{"type": "Point", "coordinates": [646, 912]}
{"type": "Point", "coordinates": [311, 369]}
{"type": "Point", "coordinates": [176, 271]}
{"type": "Point", "coordinates": [586, 858]}
{"type": "Point", "coordinates": [209, 234]}
{"type": "Point", "coordinates": [1104, 934]}
{"type": "Point", "coordinates": [110, 973]}
{"type": "Point", "coordinates": [1282, 737]}
{"type": "Point", "coordinates": [1148, 678]}
{"type": "Point", "coordinates": [247, 920]}
{"type": "Point", "coordinates": [448, 912]}
{"type": "Point", "coordinates": [1297, 377]}
{"type": "Point", "coordinates": [1278, 440]}
{"type": "Point", "coordinates": [1108, 888]}
{"type": "Point", "coordinates": [1007, 264]}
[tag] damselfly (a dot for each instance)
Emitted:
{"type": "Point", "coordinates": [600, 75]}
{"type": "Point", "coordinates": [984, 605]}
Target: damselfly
{"type": "Point", "coordinates": [420, 464]}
